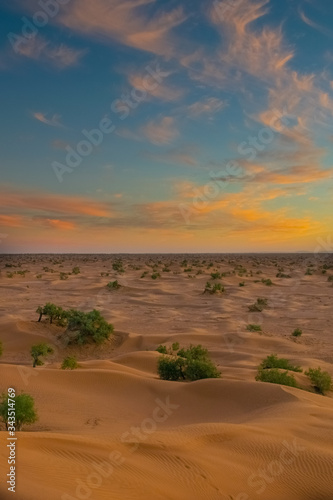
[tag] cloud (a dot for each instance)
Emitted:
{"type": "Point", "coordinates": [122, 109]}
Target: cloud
{"type": "Point", "coordinates": [124, 21]}
{"type": "Point", "coordinates": [163, 131]}
{"type": "Point", "coordinates": [34, 203]}
{"type": "Point", "coordinates": [54, 120]}
{"type": "Point", "coordinates": [316, 26]}
{"type": "Point", "coordinates": [208, 106]}
{"type": "Point", "coordinates": [60, 56]}
{"type": "Point", "coordinates": [158, 90]}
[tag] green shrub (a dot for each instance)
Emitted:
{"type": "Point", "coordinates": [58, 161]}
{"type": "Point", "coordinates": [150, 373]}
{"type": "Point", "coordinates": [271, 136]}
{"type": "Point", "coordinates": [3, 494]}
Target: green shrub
{"type": "Point", "coordinates": [171, 368]}
{"type": "Point", "coordinates": [87, 327]}
{"type": "Point", "coordinates": [39, 350]}
{"type": "Point", "coordinates": [259, 305]}
{"type": "Point", "coordinates": [76, 270]}
{"type": "Point", "coordinates": [273, 361]}
{"type": "Point", "coordinates": [282, 275]}
{"type": "Point", "coordinates": [267, 282]}
{"type": "Point", "coordinates": [216, 276]}
{"type": "Point", "coordinates": [242, 283]}
{"type": "Point", "coordinates": [254, 328]}
{"type": "Point", "coordinates": [274, 376]}
{"type": "Point", "coordinates": [198, 369]}
{"type": "Point", "coordinates": [162, 349]}
{"type": "Point", "coordinates": [321, 380]}
{"type": "Point", "coordinates": [297, 332]}
{"type": "Point", "coordinates": [25, 412]}
{"type": "Point", "coordinates": [155, 276]}
{"type": "Point", "coordinates": [69, 363]}
{"type": "Point", "coordinates": [113, 285]}
{"type": "Point", "coordinates": [192, 364]}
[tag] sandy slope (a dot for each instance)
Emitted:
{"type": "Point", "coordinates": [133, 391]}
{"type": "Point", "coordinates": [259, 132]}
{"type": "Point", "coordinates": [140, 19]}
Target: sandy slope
{"type": "Point", "coordinates": [113, 430]}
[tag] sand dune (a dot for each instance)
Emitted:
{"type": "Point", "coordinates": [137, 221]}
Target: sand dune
{"type": "Point", "coordinates": [113, 430]}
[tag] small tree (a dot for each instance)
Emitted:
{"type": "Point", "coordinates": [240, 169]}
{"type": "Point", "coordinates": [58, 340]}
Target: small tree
{"type": "Point", "coordinates": [39, 310]}
{"type": "Point", "coordinates": [25, 412]}
{"type": "Point", "coordinates": [38, 350]}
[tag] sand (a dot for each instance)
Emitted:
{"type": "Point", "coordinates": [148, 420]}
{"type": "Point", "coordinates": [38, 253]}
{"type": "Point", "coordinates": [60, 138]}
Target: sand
{"type": "Point", "coordinates": [113, 430]}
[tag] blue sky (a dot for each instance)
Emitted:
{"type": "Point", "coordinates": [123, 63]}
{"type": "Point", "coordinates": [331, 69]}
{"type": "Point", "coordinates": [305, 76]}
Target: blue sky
{"type": "Point", "coordinates": [221, 118]}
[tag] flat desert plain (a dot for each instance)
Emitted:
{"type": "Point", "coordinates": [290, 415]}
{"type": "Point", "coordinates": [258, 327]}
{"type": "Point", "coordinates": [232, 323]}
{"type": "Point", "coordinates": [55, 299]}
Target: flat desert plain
{"type": "Point", "coordinates": [113, 430]}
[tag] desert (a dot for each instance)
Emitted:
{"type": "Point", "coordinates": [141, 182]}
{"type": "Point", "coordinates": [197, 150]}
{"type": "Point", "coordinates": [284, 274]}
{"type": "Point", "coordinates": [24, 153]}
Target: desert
{"type": "Point", "coordinates": [113, 429]}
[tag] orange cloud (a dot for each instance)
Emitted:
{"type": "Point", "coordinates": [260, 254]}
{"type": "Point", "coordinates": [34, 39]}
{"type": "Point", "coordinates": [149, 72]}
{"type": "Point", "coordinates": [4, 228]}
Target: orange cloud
{"type": "Point", "coordinates": [60, 224]}
{"type": "Point", "coordinates": [125, 22]}
{"type": "Point", "coordinates": [163, 131]}
{"type": "Point", "coordinates": [11, 220]}
{"type": "Point", "coordinates": [32, 202]}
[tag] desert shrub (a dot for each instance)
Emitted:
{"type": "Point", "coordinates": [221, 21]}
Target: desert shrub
{"type": "Point", "coordinates": [165, 270]}
{"type": "Point", "coordinates": [39, 276]}
{"type": "Point", "coordinates": [274, 376]}
{"type": "Point", "coordinates": [69, 363]}
{"type": "Point", "coordinates": [308, 272]}
{"type": "Point", "coordinates": [113, 285]}
{"type": "Point", "coordinates": [192, 364]}
{"type": "Point", "coordinates": [267, 282]}
{"type": "Point", "coordinates": [87, 327]}
{"type": "Point", "coordinates": [198, 369]}
{"type": "Point", "coordinates": [215, 288]}
{"type": "Point", "coordinates": [188, 270]}
{"type": "Point", "coordinates": [282, 275]}
{"type": "Point", "coordinates": [321, 380]}
{"type": "Point", "coordinates": [118, 266]}
{"type": "Point", "coordinates": [330, 278]}
{"type": "Point", "coordinates": [155, 276]}
{"type": "Point", "coordinates": [63, 276]}
{"type": "Point", "coordinates": [242, 283]}
{"type": "Point", "coordinates": [171, 368]}
{"type": "Point", "coordinates": [216, 276]}
{"type": "Point", "coordinates": [76, 270]}
{"type": "Point", "coordinates": [144, 274]}
{"type": "Point", "coordinates": [273, 361]}
{"type": "Point", "coordinates": [259, 305]}
{"type": "Point", "coordinates": [25, 412]}
{"type": "Point", "coordinates": [39, 350]}
{"type": "Point", "coordinates": [193, 352]}
{"type": "Point", "coordinates": [10, 275]}
{"type": "Point", "coordinates": [162, 349]}
{"type": "Point", "coordinates": [297, 332]}
{"type": "Point", "coordinates": [254, 328]}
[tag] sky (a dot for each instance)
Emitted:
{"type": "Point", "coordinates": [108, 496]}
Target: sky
{"type": "Point", "coordinates": [166, 126]}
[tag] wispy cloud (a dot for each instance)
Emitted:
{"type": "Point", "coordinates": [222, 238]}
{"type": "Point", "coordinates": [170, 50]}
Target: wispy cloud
{"type": "Point", "coordinates": [60, 56]}
{"type": "Point", "coordinates": [207, 106]}
{"type": "Point", "coordinates": [322, 29]}
{"type": "Point", "coordinates": [163, 131]}
{"type": "Point", "coordinates": [53, 120]}
{"type": "Point", "coordinates": [160, 91]}
{"type": "Point", "coordinates": [124, 21]}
